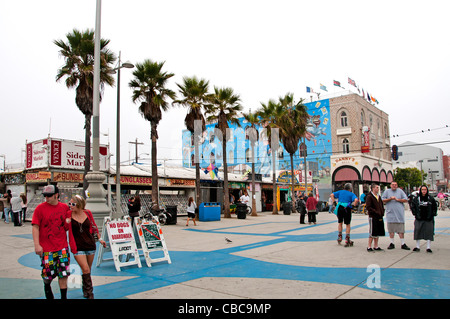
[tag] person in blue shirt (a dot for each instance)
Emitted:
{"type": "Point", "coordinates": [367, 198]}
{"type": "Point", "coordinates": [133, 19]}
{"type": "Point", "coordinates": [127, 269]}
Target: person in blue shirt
{"type": "Point", "coordinates": [345, 200]}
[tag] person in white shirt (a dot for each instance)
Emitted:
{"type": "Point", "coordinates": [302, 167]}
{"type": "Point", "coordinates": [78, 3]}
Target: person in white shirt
{"type": "Point", "coordinates": [191, 211]}
{"type": "Point", "coordinates": [244, 199]}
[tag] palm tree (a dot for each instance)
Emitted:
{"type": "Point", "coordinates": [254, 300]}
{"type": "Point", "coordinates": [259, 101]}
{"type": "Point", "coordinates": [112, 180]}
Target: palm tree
{"type": "Point", "coordinates": [224, 108]}
{"type": "Point", "coordinates": [270, 114]}
{"type": "Point", "coordinates": [149, 88]}
{"type": "Point", "coordinates": [78, 54]}
{"type": "Point", "coordinates": [195, 95]}
{"type": "Point", "coordinates": [253, 119]}
{"type": "Point", "coordinates": [292, 125]}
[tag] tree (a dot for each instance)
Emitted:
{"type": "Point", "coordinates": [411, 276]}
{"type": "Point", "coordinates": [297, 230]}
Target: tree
{"type": "Point", "coordinates": [270, 114]}
{"type": "Point", "coordinates": [408, 177]}
{"type": "Point", "coordinates": [224, 108]}
{"type": "Point", "coordinates": [194, 93]}
{"type": "Point", "coordinates": [253, 119]}
{"type": "Point", "coordinates": [149, 88]}
{"type": "Point", "coordinates": [78, 54]}
{"type": "Point", "coordinates": [292, 125]}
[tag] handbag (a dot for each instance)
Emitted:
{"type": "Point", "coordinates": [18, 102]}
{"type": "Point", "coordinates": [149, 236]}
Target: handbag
{"type": "Point", "coordinates": [93, 226]}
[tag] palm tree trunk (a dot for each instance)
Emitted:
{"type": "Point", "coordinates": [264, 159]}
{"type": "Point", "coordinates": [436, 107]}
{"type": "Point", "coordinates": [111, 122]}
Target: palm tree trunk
{"type": "Point", "coordinates": [155, 199]}
{"type": "Point", "coordinates": [253, 182]}
{"type": "Point", "coordinates": [87, 151]}
{"type": "Point", "coordinates": [226, 194]}
{"type": "Point", "coordinates": [274, 185]}
{"type": "Point", "coordinates": [197, 172]}
{"type": "Point", "coordinates": [292, 182]}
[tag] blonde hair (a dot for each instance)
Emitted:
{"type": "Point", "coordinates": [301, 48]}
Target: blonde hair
{"type": "Point", "coordinates": [79, 201]}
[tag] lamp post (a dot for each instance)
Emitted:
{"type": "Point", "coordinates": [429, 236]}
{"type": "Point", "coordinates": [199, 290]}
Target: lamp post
{"type": "Point", "coordinates": [127, 65]}
{"type": "Point", "coordinates": [96, 202]}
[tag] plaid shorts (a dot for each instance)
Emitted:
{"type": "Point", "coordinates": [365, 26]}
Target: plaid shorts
{"type": "Point", "coordinates": [55, 264]}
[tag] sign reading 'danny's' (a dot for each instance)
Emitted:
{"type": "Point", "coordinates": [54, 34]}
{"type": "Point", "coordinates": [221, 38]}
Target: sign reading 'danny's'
{"type": "Point", "coordinates": [51, 152]}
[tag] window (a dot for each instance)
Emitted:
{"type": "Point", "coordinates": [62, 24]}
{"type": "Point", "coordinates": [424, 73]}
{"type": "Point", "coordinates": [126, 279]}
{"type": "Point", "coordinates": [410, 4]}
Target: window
{"type": "Point", "coordinates": [386, 133]}
{"type": "Point", "coordinates": [345, 146]}
{"type": "Point", "coordinates": [344, 120]}
{"type": "Point", "coordinates": [363, 118]}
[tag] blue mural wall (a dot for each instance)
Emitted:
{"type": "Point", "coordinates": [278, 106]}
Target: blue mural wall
{"type": "Point", "coordinates": [318, 142]}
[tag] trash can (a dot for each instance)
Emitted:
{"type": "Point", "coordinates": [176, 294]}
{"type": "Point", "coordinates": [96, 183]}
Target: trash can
{"type": "Point", "coordinates": [171, 212]}
{"type": "Point", "coordinates": [241, 211]}
{"type": "Point", "coordinates": [209, 212]}
{"type": "Point", "coordinates": [287, 207]}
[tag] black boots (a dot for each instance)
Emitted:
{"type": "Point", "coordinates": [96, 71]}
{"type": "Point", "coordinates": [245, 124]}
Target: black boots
{"type": "Point", "coordinates": [88, 289]}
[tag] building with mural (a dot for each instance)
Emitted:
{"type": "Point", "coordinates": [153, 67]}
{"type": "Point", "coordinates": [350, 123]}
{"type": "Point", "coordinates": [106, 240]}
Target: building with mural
{"type": "Point", "coordinates": [347, 140]}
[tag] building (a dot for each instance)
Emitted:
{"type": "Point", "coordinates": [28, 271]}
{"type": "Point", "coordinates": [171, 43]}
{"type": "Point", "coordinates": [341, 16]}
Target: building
{"type": "Point", "coordinates": [347, 140]}
{"type": "Point", "coordinates": [426, 158]}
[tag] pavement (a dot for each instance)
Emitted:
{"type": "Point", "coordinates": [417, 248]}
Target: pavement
{"type": "Point", "coordinates": [269, 257]}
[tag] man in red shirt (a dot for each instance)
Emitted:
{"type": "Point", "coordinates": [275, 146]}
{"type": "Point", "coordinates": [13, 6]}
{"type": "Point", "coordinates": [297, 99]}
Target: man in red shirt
{"type": "Point", "coordinates": [50, 240]}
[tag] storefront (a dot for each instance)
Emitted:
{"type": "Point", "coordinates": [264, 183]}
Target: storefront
{"type": "Point", "coordinates": [360, 172]}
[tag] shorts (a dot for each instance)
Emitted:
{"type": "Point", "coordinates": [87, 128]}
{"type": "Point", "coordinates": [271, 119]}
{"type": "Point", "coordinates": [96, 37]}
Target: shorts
{"type": "Point", "coordinates": [191, 215]}
{"type": "Point", "coordinates": [376, 227]}
{"type": "Point", "coordinates": [344, 214]}
{"type": "Point", "coordinates": [85, 252]}
{"type": "Point", "coordinates": [55, 264]}
{"type": "Point", "coordinates": [398, 228]}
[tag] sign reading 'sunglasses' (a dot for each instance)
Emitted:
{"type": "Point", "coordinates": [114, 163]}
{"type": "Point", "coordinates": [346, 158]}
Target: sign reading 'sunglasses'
{"type": "Point", "coordinates": [59, 153]}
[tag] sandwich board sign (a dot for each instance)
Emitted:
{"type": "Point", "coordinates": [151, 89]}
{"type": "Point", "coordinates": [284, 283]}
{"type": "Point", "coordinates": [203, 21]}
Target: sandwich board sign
{"type": "Point", "coordinates": [152, 239]}
{"type": "Point", "coordinates": [121, 242]}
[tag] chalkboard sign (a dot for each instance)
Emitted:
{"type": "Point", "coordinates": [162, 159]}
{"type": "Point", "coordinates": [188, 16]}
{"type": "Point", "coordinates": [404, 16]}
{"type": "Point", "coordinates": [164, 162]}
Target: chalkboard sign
{"type": "Point", "coordinates": [152, 239]}
{"type": "Point", "coordinates": [151, 234]}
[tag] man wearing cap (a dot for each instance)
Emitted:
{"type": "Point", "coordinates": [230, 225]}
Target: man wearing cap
{"type": "Point", "coordinates": [50, 240]}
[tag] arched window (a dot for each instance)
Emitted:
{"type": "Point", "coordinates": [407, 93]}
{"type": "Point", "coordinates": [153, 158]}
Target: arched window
{"type": "Point", "coordinates": [363, 118]}
{"type": "Point", "coordinates": [344, 120]}
{"type": "Point", "coordinates": [345, 146]}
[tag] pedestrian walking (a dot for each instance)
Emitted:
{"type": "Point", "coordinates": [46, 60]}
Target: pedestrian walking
{"type": "Point", "coordinates": [375, 210]}
{"type": "Point", "coordinates": [24, 208]}
{"type": "Point", "coordinates": [424, 208]}
{"type": "Point", "coordinates": [83, 233]}
{"type": "Point", "coordinates": [191, 211]}
{"type": "Point", "coordinates": [7, 205]}
{"type": "Point", "coordinates": [134, 206]}
{"type": "Point", "coordinates": [311, 206]}
{"type": "Point", "coordinates": [394, 200]}
{"type": "Point", "coordinates": [16, 208]}
{"type": "Point", "coordinates": [346, 198]}
{"type": "Point", "coordinates": [49, 227]}
{"type": "Point", "coordinates": [302, 208]}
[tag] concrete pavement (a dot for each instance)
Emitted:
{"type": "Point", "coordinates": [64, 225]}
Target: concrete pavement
{"type": "Point", "coordinates": [269, 257]}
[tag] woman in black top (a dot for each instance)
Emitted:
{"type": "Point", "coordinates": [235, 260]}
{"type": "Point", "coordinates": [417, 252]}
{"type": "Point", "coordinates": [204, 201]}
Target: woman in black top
{"type": "Point", "coordinates": [424, 208]}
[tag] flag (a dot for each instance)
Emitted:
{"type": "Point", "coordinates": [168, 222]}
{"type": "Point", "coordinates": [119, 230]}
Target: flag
{"type": "Point", "coordinates": [323, 87]}
{"type": "Point", "coordinates": [309, 90]}
{"type": "Point", "coordinates": [336, 83]}
{"type": "Point", "coordinates": [352, 82]}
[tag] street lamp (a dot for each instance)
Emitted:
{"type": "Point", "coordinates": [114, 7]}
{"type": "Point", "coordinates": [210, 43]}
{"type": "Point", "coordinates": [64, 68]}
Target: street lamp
{"type": "Point", "coordinates": [127, 65]}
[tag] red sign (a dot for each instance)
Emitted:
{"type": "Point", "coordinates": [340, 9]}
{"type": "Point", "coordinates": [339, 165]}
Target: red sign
{"type": "Point", "coordinates": [56, 153]}
{"type": "Point", "coordinates": [365, 148]}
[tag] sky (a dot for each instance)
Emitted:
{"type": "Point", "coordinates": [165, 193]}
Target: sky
{"type": "Point", "coordinates": [398, 51]}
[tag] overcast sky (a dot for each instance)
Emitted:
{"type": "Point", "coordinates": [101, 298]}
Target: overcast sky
{"type": "Point", "coordinates": [398, 51]}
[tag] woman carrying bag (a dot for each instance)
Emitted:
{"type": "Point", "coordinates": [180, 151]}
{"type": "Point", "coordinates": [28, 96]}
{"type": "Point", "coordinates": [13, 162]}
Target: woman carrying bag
{"type": "Point", "coordinates": [83, 233]}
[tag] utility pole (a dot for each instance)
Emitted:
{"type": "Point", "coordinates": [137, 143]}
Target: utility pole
{"type": "Point", "coordinates": [136, 146]}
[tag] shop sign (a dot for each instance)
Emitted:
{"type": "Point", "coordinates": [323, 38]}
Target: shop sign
{"type": "Point", "coordinates": [286, 178]}
{"type": "Point", "coordinates": [365, 148]}
{"type": "Point", "coordinates": [135, 180]}
{"type": "Point", "coordinates": [68, 177]}
{"type": "Point", "coordinates": [37, 177]}
{"type": "Point", "coordinates": [346, 160]}
{"type": "Point", "coordinates": [180, 182]}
